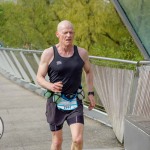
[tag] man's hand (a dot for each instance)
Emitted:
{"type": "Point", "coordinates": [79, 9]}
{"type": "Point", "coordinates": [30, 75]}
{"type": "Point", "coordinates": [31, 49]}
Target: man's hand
{"type": "Point", "coordinates": [92, 102]}
{"type": "Point", "coordinates": [57, 86]}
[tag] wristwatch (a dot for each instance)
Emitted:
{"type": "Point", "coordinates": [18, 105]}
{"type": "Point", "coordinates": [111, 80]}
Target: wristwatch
{"type": "Point", "coordinates": [91, 93]}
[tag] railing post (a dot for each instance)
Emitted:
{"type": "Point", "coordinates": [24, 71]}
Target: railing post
{"type": "Point", "coordinates": [133, 92]}
{"type": "Point", "coordinates": [17, 74]}
{"type": "Point", "coordinates": [5, 65]}
{"type": "Point", "coordinates": [36, 58]}
{"type": "Point", "coordinates": [23, 73]}
{"type": "Point", "coordinates": [32, 73]}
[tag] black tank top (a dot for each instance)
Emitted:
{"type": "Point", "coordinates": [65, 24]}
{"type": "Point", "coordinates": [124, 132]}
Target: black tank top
{"type": "Point", "coordinates": [66, 69]}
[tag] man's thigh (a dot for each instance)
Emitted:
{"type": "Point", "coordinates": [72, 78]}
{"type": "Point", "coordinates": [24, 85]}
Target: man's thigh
{"type": "Point", "coordinates": [77, 130]}
{"type": "Point", "coordinates": [57, 135]}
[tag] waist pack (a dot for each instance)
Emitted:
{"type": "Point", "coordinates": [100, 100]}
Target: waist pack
{"type": "Point", "coordinates": [66, 101]}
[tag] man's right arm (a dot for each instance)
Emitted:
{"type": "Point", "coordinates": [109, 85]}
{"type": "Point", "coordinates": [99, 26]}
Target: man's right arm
{"type": "Point", "coordinates": [46, 58]}
{"type": "Point", "coordinates": [43, 68]}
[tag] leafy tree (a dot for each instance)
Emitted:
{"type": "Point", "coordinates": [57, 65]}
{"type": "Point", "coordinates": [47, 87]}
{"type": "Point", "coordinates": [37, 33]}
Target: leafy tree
{"type": "Point", "coordinates": [98, 28]}
{"type": "Point", "coordinates": [38, 24]}
{"type": "Point", "coordinates": [2, 23]}
{"type": "Point", "coordinates": [29, 25]}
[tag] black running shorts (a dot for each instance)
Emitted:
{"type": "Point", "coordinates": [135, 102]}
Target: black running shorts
{"type": "Point", "coordinates": [56, 117]}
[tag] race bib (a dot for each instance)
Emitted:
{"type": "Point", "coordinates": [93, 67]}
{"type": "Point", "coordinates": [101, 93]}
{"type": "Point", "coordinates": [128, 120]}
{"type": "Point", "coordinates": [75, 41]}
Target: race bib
{"type": "Point", "coordinates": [67, 104]}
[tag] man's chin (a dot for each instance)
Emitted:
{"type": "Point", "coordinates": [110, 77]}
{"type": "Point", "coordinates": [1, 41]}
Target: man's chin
{"type": "Point", "coordinates": [68, 43]}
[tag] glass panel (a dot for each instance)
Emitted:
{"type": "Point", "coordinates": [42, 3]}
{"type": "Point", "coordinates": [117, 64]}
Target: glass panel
{"type": "Point", "coordinates": [138, 13]}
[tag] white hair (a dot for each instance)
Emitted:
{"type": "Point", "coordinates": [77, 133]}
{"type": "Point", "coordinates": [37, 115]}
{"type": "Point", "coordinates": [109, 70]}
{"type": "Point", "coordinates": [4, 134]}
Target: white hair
{"type": "Point", "coordinates": [64, 23]}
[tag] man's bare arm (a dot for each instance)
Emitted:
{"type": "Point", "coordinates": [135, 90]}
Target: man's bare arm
{"type": "Point", "coordinates": [46, 58]}
{"type": "Point", "coordinates": [89, 77]}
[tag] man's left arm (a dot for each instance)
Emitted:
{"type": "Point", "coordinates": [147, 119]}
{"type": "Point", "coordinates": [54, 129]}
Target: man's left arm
{"type": "Point", "coordinates": [89, 81]}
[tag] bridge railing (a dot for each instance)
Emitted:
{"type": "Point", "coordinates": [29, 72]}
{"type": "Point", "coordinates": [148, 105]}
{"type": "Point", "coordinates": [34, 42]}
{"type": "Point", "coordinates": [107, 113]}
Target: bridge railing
{"type": "Point", "coordinates": [118, 89]}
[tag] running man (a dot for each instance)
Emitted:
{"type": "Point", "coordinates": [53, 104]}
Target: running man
{"type": "Point", "coordinates": [64, 63]}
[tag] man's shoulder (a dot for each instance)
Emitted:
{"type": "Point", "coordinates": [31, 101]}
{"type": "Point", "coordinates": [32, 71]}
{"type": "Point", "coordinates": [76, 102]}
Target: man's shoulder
{"type": "Point", "coordinates": [48, 51]}
{"type": "Point", "coordinates": [82, 51]}
{"type": "Point", "coordinates": [47, 54]}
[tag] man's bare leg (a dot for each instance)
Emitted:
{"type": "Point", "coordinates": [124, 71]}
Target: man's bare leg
{"type": "Point", "coordinates": [77, 136]}
{"type": "Point", "coordinates": [56, 140]}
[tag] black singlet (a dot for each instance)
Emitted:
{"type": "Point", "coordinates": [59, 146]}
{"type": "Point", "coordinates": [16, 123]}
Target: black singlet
{"type": "Point", "coordinates": [66, 69]}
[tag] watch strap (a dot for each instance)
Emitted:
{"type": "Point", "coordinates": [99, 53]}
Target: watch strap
{"type": "Point", "coordinates": [91, 93]}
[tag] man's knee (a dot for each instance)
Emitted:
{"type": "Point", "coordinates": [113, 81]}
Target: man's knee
{"type": "Point", "coordinates": [57, 143]}
{"type": "Point", "coordinates": [57, 139]}
{"type": "Point", "coordinates": [78, 141]}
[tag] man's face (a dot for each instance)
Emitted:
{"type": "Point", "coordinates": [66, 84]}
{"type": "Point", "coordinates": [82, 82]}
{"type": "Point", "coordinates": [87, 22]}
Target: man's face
{"type": "Point", "coordinates": [66, 35]}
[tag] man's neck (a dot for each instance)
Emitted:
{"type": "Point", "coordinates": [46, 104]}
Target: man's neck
{"type": "Point", "coordinates": [65, 48]}
{"type": "Point", "coordinates": [65, 51]}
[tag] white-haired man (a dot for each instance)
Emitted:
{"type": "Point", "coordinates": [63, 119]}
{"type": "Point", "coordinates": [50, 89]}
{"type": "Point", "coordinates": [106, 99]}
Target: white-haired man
{"type": "Point", "coordinates": [64, 63]}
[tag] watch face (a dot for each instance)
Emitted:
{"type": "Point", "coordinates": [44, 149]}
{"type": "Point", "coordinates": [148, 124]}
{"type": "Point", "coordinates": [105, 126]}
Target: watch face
{"type": "Point", "coordinates": [1, 127]}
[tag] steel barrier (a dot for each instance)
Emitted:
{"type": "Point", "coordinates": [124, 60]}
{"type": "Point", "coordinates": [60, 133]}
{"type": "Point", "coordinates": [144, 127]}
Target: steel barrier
{"type": "Point", "coordinates": [116, 88]}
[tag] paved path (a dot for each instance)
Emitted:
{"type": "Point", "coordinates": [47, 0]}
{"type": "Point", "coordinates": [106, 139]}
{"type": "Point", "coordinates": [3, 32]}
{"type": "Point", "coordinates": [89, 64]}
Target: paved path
{"type": "Point", "coordinates": [23, 113]}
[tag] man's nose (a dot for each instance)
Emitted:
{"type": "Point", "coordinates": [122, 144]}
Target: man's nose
{"type": "Point", "coordinates": [68, 34]}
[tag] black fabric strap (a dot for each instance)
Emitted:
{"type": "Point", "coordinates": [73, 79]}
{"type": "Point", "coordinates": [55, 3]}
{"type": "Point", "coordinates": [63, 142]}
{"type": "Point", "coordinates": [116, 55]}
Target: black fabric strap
{"type": "Point", "coordinates": [91, 93]}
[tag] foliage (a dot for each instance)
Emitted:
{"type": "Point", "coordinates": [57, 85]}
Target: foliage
{"type": "Point", "coordinates": [98, 28]}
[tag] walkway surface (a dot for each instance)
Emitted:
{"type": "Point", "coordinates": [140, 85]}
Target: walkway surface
{"type": "Point", "coordinates": [23, 113]}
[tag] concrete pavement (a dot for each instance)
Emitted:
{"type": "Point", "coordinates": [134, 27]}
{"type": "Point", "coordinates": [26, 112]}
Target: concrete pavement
{"type": "Point", "coordinates": [25, 126]}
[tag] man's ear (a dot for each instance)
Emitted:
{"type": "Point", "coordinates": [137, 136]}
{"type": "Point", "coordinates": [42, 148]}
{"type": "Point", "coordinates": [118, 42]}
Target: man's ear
{"type": "Point", "coordinates": [57, 34]}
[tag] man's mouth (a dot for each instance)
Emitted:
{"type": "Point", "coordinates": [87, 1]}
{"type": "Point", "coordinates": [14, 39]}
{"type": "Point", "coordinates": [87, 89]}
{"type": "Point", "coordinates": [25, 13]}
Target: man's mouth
{"type": "Point", "coordinates": [68, 40]}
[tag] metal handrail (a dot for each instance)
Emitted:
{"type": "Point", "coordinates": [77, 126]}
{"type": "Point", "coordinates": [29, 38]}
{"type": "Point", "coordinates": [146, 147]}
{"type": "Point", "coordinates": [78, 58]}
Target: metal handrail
{"type": "Point", "coordinates": [23, 50]}
{"type": "Point", "coordinates": [142, 62]}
